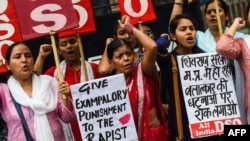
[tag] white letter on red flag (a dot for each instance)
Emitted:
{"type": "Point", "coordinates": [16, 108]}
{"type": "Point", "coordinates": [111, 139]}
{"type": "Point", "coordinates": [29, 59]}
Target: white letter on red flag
{"type": "Point", "coordinates": [86, 21]}
{"type": "Point", "coordinates": [9, 30]}
{"type": "Point", "coordinates": [137, 10]}
{"type": "Point", "coordinates": [42, 16]}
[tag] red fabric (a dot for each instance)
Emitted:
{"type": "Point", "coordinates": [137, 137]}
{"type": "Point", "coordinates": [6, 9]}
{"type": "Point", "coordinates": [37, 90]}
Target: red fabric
{"type": "Point", "coordinates": [158, 133]}
{"type": "Point", "coordinates": [94, 67]}
{"type": "Point", "coordinates": [86, 21]}
{"type": "Point", "coordinates": [138, 10]}
{"type": "Point", "coordinates": [9, 29]}
{"type": "Point", "coordinates": [3, 67]}
{"type": "Point", "coordinates": [73, 77]}
{"type": "Point", "coordinates": [42, 16]}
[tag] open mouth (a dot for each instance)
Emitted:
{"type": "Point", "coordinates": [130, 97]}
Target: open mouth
{"type": "Point", "coordinates": [25, 68]}
{"type": "Point", "coordinates": [190, 39]}
{"type": "Point", "coordinates": [213, 21]}
{"type": "Point", "coordinates": [70, 52]}
{"type": "Point", "coordinates": [127, 66]}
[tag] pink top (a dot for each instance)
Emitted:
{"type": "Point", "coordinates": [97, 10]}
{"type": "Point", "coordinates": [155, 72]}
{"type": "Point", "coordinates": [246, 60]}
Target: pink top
{"type": "Point", "coordinates": [11, 117]}
{"type": "Point", "coordinates": [238, 49]}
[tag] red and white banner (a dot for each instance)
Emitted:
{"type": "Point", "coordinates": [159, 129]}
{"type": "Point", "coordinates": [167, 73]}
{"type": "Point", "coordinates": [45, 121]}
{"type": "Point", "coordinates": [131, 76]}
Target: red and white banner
{"type": "Point", "coordinates": [42, 16]}
{"type": "Point", "coordinates": [86, 21]}
{"type": "Point", "coordinates": [138, 10]}
{"type": "Point", "coordinates": [9, 29]}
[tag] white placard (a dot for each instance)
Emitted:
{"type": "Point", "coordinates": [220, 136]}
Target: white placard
{"type": "Point", "coordinates": [103, 109]}
{"type": "Point", "coordinates": [209, 93]}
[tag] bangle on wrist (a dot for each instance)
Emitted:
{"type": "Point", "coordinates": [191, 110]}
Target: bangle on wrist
{"type": "Point", "coordinates": [179, 3]}
{"type": "Point", "coordinates": [64, 96]}
{"type": "Point", "coordinates": [129, 27]}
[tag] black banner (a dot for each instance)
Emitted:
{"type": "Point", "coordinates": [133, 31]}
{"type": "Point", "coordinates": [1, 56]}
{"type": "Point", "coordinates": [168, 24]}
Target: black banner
{"type": "Point", "coordinates": [241, 132]}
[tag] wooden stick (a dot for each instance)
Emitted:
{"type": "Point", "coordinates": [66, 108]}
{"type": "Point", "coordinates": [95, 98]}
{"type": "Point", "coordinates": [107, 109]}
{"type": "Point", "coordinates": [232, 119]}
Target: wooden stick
{"type": "Point", "coordinates": [140, 26]}
{"type": "Point", "coordinates": [82, 56]}
{"type": "Point", "coordinates": [59, 72]}
{"type": "Point", "coordinates": [177, 100]}
{"type": "Point", "coordinates": [218, 17]}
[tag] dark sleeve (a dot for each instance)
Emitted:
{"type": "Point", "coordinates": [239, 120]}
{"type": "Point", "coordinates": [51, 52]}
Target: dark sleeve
{"type": "Point", "coordinates": [165, 68]}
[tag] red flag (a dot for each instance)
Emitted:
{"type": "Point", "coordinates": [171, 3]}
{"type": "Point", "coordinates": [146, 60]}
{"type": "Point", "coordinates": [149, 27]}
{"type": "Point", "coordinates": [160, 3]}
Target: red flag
{"type": "Point", "coordinates": [86, 21]}
{"type": "Point", "coordinates": [9, 29]}
{"type": "Point", "coordinates": [42, 16]}
{"type": "Point", "coordinates": [138, 10]}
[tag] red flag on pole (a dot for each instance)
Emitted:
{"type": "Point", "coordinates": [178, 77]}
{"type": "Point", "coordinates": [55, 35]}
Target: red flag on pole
{"type": "Point", "coordinates": [138, 10]}
{"type": "Point", "coordinates": [42, 16]}
{"type": "Point", "coordinates": [86, 21]}
{"type": "Point", "coordinates": [9, 29]}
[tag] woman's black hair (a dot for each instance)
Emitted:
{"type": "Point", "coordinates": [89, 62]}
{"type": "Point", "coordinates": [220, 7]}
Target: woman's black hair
{"type": "Point", "coordinates": [175, 22]}
{"type": "Point", "coordinates": [9, 51]}
{"type": "Point", "coordinates": [148, 24]}
{"type": "Point", "coordinates": [4, 77]}
{"type": "Point", "coordinates": [222, 4]}
{"type": "Point", "coordinates": [115, 44]}
{"type": "Point", "coordinates": [10, 48]}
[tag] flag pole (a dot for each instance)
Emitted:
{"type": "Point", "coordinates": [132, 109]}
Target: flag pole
{"type": "Point", "coordinates": [82, 56]}
{"type": "Point", "coordinates": [59, 72]}
{"type": "Point", "coordinates": [218, 17]}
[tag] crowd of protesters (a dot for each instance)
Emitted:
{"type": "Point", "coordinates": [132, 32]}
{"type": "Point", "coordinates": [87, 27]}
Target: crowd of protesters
{"type": "Point", "coordinates": [28, 114]}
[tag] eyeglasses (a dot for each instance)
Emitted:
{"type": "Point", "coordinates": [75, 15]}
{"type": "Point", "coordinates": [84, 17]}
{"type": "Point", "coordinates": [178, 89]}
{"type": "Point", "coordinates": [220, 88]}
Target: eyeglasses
{"type": "Point", "coordinates": [64, 43]}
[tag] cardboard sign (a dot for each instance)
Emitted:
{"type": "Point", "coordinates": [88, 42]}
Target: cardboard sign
{"type": "Point", "coordinates": [103, 109]}
{"type": "Point", "coordinates": [209, 93]}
